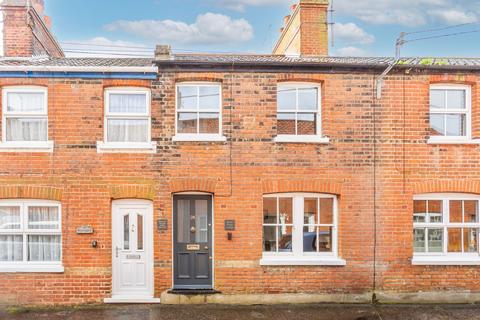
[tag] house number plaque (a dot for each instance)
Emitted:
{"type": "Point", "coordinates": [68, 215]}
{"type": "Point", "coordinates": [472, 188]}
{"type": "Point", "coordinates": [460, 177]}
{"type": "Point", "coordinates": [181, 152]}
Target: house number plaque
{"type": "Point", "coordinates": [193, 247]}
{"type": "Point", "coordinates": [162, 224]}
{"type": "Point", "coordinates": [230, 225]}
{"type": "Point", "coordinates": [85, 230]}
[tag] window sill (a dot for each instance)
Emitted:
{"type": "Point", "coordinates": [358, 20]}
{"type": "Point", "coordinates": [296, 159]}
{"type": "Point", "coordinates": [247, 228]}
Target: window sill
{"type": "Point", "coordinates": [302, 261]}
{"type": "Point", "coordinates": [301, 139]}
{"type": "Point", "coordinates": [455, 140]}
{"type": "Point", "coordinates": [115, 147]}
{"type": "Point", "coordinates": [199, 137]}
{"type": "Point", "coordinates": [12, 268]}
{"type": "Point", "coordinates": [27, 146]}
{"type": "Point", "coordinates": [446, 261]}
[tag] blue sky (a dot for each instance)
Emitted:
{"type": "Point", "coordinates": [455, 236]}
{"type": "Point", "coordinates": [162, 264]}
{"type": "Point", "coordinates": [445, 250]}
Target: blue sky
{"type": "Point", "coordinates": [363, 27]}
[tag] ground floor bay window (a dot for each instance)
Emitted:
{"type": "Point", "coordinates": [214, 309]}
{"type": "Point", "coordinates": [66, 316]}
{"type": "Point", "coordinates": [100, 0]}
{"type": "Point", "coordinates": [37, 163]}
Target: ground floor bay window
{"type": "Point", "coordinates": [445, 229]}
{"type": "Point", "coordinates": [300, 229]}
{"type": "Point", "coordinates": [30, 236]}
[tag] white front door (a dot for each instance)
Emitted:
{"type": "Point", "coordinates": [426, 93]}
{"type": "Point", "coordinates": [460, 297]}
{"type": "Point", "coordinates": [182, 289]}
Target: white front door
{"type": "Point", "coordinates": [132, 251]}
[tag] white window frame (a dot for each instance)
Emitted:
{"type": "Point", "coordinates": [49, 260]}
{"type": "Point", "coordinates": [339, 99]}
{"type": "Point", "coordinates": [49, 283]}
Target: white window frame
{"type": "Point", "coordinates": [298, 256]}
{"type": "Point", "coordinates": [213, 137]}
{"type": "Point", "coordinates": [24, 146]}
{"type": "Point", "coordinates": [295, 138]}
{"type": "Point", "coordinates": [34, 266]}
{"type": "Point", "coordinates": [445, 257]}
{"type": "Point", "coordinates": [106, 146]}
{"type": "Point", "coordinates": [467, 138]}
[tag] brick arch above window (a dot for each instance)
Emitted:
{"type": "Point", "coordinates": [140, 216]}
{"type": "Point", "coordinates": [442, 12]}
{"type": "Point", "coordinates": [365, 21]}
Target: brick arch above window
{"type": "Point", "coordinates": [308, 185]}
{"type": "Point", "coordinates": [132, 191]}
{"type": "Point", "coordinates": [30, 192]}
{"type": "Point", "coordinates": [193, 184]}
{"type": "Point", "coordinates": [442, 186]}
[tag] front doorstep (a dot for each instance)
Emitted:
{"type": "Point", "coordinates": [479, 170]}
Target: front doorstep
{"type": "Point", "coordinates": [193, 291]}
{"type": "Point", "coordinates": [131, 299]}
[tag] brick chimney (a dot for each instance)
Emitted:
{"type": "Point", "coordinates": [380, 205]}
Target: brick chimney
{"type": "Point", "coordinates": [25, 30]}
{"type": "Point", "coordinates": [305, 30]}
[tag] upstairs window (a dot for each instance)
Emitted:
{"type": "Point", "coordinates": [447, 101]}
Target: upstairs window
{"type": "Point", "coordinates": [127, 116]}
{"type": "Point", "coordinates": [199, 110]}
{"type": "Point", "coordinates": [298, 110]}
{"type": "Point", "coordinates": [450, 112]}
{"type": "Point", "coordinates": [446, 227]}
{"type": "Point", "coordinates": [25, 115]}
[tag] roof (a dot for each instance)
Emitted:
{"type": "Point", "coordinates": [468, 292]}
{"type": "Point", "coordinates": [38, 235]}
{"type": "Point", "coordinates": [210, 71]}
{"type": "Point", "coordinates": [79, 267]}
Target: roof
{"type": "Point", "coordinates": [321, 61]}
{"type": "Point", "coordinates": [49, 64]}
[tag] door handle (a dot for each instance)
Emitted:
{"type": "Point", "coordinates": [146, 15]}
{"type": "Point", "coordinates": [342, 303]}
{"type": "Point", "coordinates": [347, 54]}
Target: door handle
{"type": "Point", "coordinates": [116, 251]}
{"type": "Point", "coordinates": [206, 248]}
{"type": "Point", "coordinates": [192, 229]}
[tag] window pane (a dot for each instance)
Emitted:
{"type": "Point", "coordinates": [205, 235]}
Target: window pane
{"type": "Point", "coordinates": [310, 239]}
{"type": "Point", "coordinates": [201, 223]}
{"type": "Point", "coordinates": [285, 211]}
{"type": "Point", "coordinates": [26, 129]}
{"type": "Point", "coordinates": [326, 211]}
{"type": "Point", "coordinates": [127, 130]}
{"type": "Point", "coordinates": [435, 240]}
{"type": "Point", "coordinates": [269, 239]}
{"type": "Point", "coordinates": [183, 223]}
{"type": "Point", "coordinates": [43, 218]}
{"type": "Point", "coordinates": [25, 102]}
{"type": "Point", "coordinates": [455, 211]}
{"type": "Point", "coordinates": [270, 210]}
{"type": "Point", "coordinates": [126, 232]}
{"type": "Point", "coordinates": [286, 123]}
{"type": "Point", "coordinates": [306, 124]}
{"type": "Point", "coordinates": [308, 99]}
{"type": "Point", "coordinates": [435, 211]}
{"type": "Point", "coordinates": [456, 125]}
{"type": "Point", "coordinates": [456, 99]}
{"type": "Point", "coordinates": [419, 240]}
{"type": "Point", "coordinates": [454, 240]}
{"type": "Point", "coordinates": [287, 98]}
{"type": "Point", "coordinates": [187, 97]}
{"type": "Point", "coordinates": [470, 211]}
{"type": "Point", "coordinates": [470, 240]}
{"type": "Point", "coordinates": [209, 97]}
{"type": "Point", "coordinates": [128, 103]}
{"type": "Point", "coordinates": [310, 215]}
{"type": "Point", "coordinates": [285, 238]}
{"type": "Point", "coordinates": [437, 124]}
{"type": "Point", "coordinates": [139, 232]}
{"type": "Point", "coordinates": [209, 122]}
{"type": "Point", "coordinates": [44, 248]}
{"type": "Point", "coordinates": [419, 210]}
{"type": "Point", "coordinates": [437, 99]}
{"type": "Point", "coordinates": [9, 218]}
{"type": "Point", "coordinates": [11, 247]}
{"type": "Point", "coordinates": [187, 123]}
{"type": "Point", "coordinates": [325, 239]}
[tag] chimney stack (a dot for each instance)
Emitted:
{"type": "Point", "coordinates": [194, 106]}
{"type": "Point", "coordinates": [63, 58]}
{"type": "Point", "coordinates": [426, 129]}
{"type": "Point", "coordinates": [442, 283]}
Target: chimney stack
{"type": "Point", "coordinates": [163, 52]}
{"type": "Point", "coordinates": [305, 31]}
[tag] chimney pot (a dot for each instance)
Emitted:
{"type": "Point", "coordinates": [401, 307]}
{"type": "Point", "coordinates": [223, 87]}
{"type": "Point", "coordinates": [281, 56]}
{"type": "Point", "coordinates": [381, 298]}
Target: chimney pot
{"type": "Point", "coordinates": [293, 7]}
{"type": "Point", "coordinates": [163, 52]}
{"type": "Point", "coordinates": [286, 19]}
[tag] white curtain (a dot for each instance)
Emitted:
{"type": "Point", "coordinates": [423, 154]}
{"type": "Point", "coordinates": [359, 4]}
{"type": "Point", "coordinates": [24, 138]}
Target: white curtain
{"type": "Point", "coordinates": [11, 248]}
{"type": "Point", "coordinates": [26, 129]}
{"type": "Point", "coordinates": [28, 101]}
{"type": "Point", "coordinates": [44, 248]}
{"type": "Point", "coordinates": [43, 218]}
{"type": "Point", "coordinates": [9, 218]}
{"type": "Point", "coordinates": [128, 103]}
{"type": "Point", "coordinates": [127, 130]}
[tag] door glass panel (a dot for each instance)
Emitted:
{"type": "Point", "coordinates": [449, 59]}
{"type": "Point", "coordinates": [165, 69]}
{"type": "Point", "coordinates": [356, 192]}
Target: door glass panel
{"type": "Point", "coordinates": [139, 232]}
{"type": "Point", "coordinates": [201, 221]}
{"type": "Point", "coordinates": [126, 232]}
{"type": "Point", "coordinates": [183, 221]}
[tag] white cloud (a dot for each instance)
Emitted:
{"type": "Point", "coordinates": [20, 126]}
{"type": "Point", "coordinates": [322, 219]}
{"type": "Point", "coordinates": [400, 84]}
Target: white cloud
{"type": "Point", "coordinates": [103, 47]}
{"type": "Point", "coordinates": [351, 33]}
{"type": "Point", "coordinates": [351, 52]}
{"type": "Point", "coordinates": [208, 29]}
{"type": "Point", "coordinates": [240, 5]}
{"type": "Point", "coordinates": [411, 13]}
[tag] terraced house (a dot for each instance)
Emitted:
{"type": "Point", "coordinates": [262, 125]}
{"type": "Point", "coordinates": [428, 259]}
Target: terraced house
{"type": "Point", "coordinates": [238, 178]}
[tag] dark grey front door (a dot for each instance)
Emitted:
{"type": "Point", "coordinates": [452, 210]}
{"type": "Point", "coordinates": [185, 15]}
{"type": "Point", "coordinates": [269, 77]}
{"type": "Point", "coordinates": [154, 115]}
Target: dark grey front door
{"type": "Point", "coordinates": [192, 237]}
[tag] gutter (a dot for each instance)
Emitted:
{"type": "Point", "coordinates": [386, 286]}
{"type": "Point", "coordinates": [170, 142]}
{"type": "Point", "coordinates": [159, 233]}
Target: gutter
{"type": "Point", "coordinates": [105, 69]}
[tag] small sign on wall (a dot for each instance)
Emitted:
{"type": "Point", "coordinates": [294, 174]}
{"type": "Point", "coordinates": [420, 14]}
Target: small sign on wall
{"type": "Point", "coordinates": [230, 225]}
{"type": "Point", "coordinates": [162, 224]}
{"type": "Point", "coordinates": [85, 230]}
